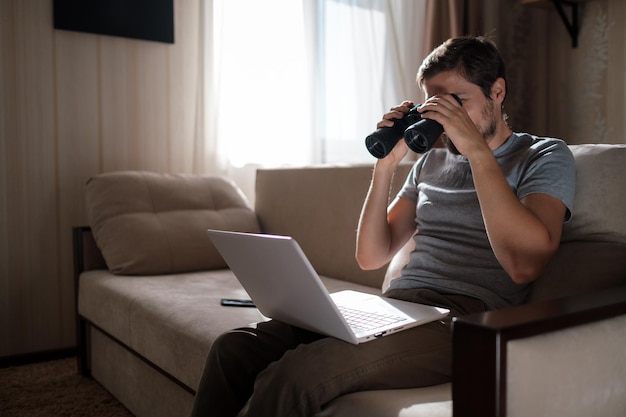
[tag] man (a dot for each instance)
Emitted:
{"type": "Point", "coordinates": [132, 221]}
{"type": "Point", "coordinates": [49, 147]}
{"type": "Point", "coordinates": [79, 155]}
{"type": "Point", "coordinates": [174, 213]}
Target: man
{"type": "Point", "coordinates": [486, 216]}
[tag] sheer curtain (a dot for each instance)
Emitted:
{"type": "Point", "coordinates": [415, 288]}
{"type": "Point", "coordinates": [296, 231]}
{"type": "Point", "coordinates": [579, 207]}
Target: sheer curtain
{"type": "Point", "coordinates": [294, 82]}
{"type": "Point", "coordinates": [368, 55]}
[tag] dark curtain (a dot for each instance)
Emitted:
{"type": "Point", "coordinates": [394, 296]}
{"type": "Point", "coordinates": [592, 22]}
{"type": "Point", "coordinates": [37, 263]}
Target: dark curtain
{"type": "Point", "coordinates": [451, 18]}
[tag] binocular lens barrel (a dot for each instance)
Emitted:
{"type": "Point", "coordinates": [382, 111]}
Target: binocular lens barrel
{"type": "Point", "coordinates": [420, 134]}
{"type": "Point", "coordinates": [420, 137]}
{"type": "Point", "coordinates": [380, 143]}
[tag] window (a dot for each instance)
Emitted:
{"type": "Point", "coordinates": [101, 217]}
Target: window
{"type": "Point", "coordinates": [261, 82]}
{"type": "Point", "coordinates": [302, 81]}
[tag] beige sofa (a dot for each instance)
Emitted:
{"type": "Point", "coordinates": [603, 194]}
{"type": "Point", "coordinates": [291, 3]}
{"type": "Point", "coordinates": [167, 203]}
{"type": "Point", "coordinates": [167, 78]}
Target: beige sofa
{"type": "Point", "coordinates": [148, 314]}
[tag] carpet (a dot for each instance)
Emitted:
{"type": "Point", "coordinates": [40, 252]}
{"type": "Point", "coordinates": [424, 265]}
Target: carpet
{"type": "Point", "coordinates": [54, 388]}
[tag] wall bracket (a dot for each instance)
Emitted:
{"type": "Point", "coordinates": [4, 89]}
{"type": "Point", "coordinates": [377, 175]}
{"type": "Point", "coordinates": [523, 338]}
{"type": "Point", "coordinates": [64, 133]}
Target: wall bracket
{"type": "Point", "coordinates": [570, 25]}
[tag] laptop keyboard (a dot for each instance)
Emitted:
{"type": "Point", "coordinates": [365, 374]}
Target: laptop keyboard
{"type": "Point", "coordinates": [360, 320]}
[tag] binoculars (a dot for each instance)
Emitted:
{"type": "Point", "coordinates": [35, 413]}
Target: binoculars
{"type": "Point", "coordinates": [420, 134]}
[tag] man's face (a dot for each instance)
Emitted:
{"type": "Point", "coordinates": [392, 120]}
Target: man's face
{"type": "Point", "coordinates": [478, 107]}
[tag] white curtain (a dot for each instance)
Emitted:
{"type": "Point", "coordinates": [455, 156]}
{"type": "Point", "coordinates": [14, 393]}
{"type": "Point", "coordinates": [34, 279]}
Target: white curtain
{"type": "Point", "coordinates": [293, 82]}
{"type": "Point", "coordinates": [370, 55]}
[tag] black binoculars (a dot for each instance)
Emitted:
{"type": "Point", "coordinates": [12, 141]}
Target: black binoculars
{"type": "Point", "coordinates": [420, 134]}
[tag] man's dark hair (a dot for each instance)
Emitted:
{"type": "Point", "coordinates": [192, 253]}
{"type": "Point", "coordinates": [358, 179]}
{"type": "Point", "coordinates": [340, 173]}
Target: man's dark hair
{"type": "Point", "coordinates": [475, 58]}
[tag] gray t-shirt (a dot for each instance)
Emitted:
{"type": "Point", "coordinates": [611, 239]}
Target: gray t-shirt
{"type": "Point", "coordinates": [452, 252]}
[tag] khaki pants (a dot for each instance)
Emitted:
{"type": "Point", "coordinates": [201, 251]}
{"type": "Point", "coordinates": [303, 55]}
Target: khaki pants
{"type": "Point", "coordinates": [273, 369]}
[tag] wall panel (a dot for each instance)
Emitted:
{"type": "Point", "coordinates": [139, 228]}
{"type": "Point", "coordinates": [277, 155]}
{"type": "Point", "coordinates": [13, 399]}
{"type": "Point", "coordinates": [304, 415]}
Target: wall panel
{"type": "Point", "coordinates": [74, 105]}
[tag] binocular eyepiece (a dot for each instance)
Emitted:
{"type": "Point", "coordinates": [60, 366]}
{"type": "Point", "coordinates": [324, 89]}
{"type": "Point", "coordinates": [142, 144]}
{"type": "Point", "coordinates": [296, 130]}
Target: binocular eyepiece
{"type": "Point", "coordinates": [420, 134]}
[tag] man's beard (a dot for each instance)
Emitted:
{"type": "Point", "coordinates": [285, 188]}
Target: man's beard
{"type": "Point", "coordinates": [488, 113]}
{"type": "Point", "coordinates": [486, 132]}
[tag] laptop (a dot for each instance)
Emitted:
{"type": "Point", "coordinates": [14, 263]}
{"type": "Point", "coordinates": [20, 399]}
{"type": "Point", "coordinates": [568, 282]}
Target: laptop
{"type": "Point", "coordinates": [283, 285]}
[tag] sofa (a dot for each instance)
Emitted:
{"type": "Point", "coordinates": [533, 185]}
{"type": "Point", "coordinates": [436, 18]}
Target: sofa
{"type": "Point", "coordinates": [149, 285]}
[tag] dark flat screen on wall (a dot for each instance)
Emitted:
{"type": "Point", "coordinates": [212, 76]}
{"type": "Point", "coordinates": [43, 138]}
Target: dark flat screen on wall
{"type": "Point", "coordinates": [151, 20]}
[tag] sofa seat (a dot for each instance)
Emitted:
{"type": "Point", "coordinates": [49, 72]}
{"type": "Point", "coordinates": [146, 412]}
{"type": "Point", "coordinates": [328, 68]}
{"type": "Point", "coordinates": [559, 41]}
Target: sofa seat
{"type": "Point", "coordinates": [434, 401]}
{"type": "Point", "coordinates": [170, 320]}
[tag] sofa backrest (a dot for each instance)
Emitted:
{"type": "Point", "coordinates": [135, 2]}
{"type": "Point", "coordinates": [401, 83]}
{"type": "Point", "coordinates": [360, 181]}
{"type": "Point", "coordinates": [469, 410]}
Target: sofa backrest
{"type": "Point", "coordinates": [320, 208]}
{"type": "Point", "coordinates": [600, 194]}
{"type": "Point", "coordinates": [592, 254]}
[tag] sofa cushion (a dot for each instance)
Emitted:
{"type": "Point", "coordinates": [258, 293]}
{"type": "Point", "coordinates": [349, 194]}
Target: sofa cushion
{"type": "Point", "coordinates": [432, 401]}
{"type": "Point", "coordinates": [172, 320]}
{"type": "Point", "coordinates": [166, 216]}
{"type": "Point", "coordinates": [599, 200]}
{"type": "Point", "coordinates": [580, 268]}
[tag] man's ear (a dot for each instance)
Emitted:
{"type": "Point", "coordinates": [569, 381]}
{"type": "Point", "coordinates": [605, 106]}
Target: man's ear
{"type": "Point", "coordinates": [498, 90]}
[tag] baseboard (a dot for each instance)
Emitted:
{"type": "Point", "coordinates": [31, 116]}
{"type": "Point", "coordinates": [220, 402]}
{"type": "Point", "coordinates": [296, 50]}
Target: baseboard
{"type": "Point", "coordinates": [34, 357]}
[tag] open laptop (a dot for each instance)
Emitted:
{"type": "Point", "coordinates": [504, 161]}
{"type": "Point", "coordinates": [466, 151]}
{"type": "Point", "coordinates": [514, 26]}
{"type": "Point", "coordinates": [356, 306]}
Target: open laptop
{"type": "Point", "coordinates": [279, 278]}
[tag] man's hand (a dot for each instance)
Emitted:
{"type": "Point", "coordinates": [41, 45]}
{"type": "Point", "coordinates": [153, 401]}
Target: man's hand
{"type": "Point", "coordinates": [400, 149]}
{"type": "Point", "coordinates": [456, 122]}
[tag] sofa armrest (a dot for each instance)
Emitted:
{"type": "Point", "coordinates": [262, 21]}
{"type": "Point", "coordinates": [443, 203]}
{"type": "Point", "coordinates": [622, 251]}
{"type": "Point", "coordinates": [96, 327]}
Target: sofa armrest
{"type": "Point", "coordinates": [482, 345]}
{"type": "Point", "coordinates": [87, 257]}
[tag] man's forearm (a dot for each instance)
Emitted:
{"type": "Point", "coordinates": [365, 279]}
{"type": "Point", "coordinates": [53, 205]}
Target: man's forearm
{"type": "Point", "coordinates": [523, 237]}
{"type": "Point", "coordinates": [373, 233]}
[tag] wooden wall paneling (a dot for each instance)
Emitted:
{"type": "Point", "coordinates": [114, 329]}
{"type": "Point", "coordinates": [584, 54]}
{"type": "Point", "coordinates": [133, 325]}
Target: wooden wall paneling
{"type": "Point", "coordinates": [7, 135]}
{"type": "Point", "coordinates": [39, 181]}
{"type": "Point", "coordinates": [616, 73]}
{"type": "Point", "coordinates": [8, 173]}
{"type": "Point", "coordinates": [151, 90]}
{"type": "Point", "coordinates": [73, 105]}
{"type": "Point", "coordinates": [185, 91]}
{"type": "Point", "coordinates": [118, 103]}
{"type": "Point", "coordinates": [30, 271]}
{"type": "Point", "coordinates": [78, 139]}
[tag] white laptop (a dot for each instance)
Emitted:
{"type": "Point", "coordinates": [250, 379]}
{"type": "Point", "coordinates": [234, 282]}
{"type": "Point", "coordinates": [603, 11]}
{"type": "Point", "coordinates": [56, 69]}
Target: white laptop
{"type": "Point", "coordinates": [283, 285]}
